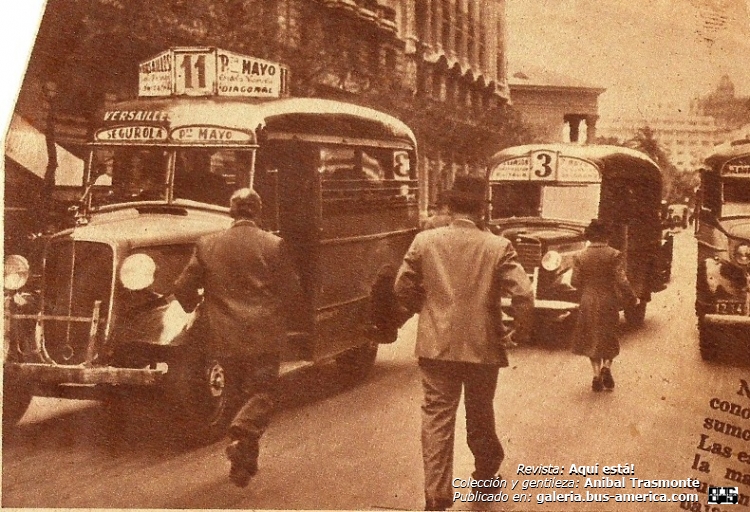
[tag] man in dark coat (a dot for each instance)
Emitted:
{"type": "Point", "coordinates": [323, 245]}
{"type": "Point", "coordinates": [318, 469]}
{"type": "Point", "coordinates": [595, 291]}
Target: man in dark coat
{"type": "Point", "coordinates": [454, 277]}
{"type": "Point", "coordinates": [250, 289]}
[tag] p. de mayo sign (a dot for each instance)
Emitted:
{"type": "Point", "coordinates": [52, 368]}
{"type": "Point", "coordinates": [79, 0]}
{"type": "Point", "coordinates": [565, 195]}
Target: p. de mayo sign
{"type": "Point", "coordinates": [198, 71]}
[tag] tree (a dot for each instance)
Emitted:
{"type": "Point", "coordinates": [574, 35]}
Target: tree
{"type": "Point", "coordinates": [646, 142]}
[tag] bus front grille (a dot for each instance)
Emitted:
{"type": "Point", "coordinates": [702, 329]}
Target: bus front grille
{"type": "Point", "coordinates": [76, 276]}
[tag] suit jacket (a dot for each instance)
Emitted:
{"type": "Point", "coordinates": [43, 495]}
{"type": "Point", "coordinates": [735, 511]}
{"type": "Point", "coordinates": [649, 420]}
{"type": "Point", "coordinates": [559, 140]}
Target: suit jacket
{"type": "Point", "coordinates": [250, 288]}
{"type": "Point", "coordinates": [454, 277]}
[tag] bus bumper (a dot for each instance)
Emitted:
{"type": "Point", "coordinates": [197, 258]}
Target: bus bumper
{"type": "Point", "coordinates": [726, 319]}
{"type": "Point", "coordinates": [554, 310]}
{"type": "Point", "coordinates": [40, 373]}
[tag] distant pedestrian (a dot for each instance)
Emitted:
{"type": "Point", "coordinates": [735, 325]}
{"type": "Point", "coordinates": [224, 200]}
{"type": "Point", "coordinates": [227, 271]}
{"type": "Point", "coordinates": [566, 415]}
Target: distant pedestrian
{"type": "Point", "coordinates": [250, 289]}
{"type": "Point", "coordinates": [599, 274]}
{"type": "Point", "coordinates": [441, 215]}
{"type": "Point", "coordinates": [454, 277]}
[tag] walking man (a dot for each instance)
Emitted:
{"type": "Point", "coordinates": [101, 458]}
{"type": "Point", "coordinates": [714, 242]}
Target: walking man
{"type": "Point", "coordinates": [454, 277]}
{"type": "Point", "coordinates": [250, 288]}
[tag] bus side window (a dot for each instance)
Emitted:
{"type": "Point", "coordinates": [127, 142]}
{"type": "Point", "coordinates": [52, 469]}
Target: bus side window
{"type": "Point", "coordinates": [360, 176]}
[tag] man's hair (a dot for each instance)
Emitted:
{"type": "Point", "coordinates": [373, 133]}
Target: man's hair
{"type": "Point", "coordinates": [245, 203]}
{"type": "Point", "coordinates": [597, 231]}
{"type": "Point", "coordinates": [466, 206]}
{"type": "Point", "coordinates": [468, 195]}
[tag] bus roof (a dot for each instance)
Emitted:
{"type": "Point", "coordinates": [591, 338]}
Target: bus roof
{"type": "Point", "coordinates": [725, 152]}
{"type": "Point", "coordinates": [303, 115]}
{"type": "Point", "coordinates": [611, 160]}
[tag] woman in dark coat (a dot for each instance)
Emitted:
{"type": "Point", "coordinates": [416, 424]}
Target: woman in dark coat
{"type": "Point", "coordinates": [599, 273]}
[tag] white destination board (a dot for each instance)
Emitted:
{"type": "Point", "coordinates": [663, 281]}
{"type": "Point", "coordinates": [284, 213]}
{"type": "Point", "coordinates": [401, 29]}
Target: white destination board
{"type": "Point", "coordinates": [155, 75]}
{"type": "Point", "coordinates": [546, 165]}
{"type": "Point", "coordinates": [204, 71]}
{"type": "Point", "coordinates": [738, 167]}
{"type": "Point", "coordinates": [240, 75]}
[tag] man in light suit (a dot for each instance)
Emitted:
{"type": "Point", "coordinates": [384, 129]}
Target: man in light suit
{"type": "Point", "coordinates": [250, 291]}
{"type": "Point", "coordinates": [454, 277]}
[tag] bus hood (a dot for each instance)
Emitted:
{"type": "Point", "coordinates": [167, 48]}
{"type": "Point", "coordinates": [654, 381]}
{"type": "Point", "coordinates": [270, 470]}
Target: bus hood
{"type": "Point", "coordinates": [549, 232]}
{"type": "Point", "coordinates": [737, 226]}
{"type": "Point", "coordinates": [146, 224]}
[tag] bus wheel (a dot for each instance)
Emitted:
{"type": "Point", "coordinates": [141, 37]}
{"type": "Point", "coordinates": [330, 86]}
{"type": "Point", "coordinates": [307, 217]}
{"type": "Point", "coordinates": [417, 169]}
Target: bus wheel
{"type": "Point", "coordinates": [206, 396]}
{"type": "Point", "coordinates": [356, 363]}
{"type": "Point", "coordinates": [635, 315]}
{"type": "Point", "coordinates": [16, 400]}
{"type": "Point", "coordinates": [708, 342]}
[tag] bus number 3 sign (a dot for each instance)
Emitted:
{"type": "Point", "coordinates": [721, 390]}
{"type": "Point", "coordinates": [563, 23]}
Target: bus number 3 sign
{"type": "Point", "coordinates": [544, 165]}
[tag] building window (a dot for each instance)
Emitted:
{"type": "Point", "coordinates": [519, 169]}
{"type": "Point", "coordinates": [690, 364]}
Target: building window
{"type": "Point", "coordinates": [463, 94]}
{"type": "Point", "coordinates": [482, 44]}
{"type": "Point", "coordinates": [434, 19]}
{"type": "Point", "coordinates": [442, 89]}
{"type": "Point", "coordinates": [459, 21]}
{"type": "Point", "coordinates": [391, 66]}
{"type": "Point", "coordinates": [471, 34]}
{"type": "Point", "coordinates": [450, 89]}
{"type": "Point", "coordinates": [447, 13]}
{"type": "Point", "coordinates": [421, 14]}
{"type": "Point", "coordinates": [479, 103]}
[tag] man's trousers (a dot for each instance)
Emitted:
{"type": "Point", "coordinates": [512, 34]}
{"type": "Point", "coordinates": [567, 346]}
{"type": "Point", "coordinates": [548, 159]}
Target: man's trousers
{"type": "Point", "coordinates": [442, 382]}
{"type": "Point", "coordinates": [258, 377]}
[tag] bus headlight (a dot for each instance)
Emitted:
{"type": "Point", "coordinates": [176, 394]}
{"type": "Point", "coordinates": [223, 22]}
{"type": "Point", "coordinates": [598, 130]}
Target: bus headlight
{"type": "Point", "coordinates": [551, 261]}
{"type": "Point", "coordinates": [137, 272]}
{"type": "Point", "coordinates": [742, 254]}
{"type": "Point", "coordinates": [16, 272]}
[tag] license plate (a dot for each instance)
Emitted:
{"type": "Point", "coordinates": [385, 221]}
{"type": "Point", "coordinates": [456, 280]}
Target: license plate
{"type": "Point", "coordinates": [731, 308]}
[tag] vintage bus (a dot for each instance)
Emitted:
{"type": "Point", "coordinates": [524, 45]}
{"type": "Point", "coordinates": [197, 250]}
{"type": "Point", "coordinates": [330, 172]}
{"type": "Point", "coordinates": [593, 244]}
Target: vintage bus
{"type": "Point", "coordinates": [722, 231]}
{"type": "Point", "coordinates": [338, 183]}
{"type": "Point", "coordinates": [542, 197]}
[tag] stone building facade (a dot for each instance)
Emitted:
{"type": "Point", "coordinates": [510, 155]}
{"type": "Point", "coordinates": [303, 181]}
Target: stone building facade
{"type": "Point", "coordinates": [558, 108]}
{"type": "Point", "coordinates": [686, 137]}
{"type": "Point", "coordinates": [729, 110]}
{"type": "Point", "coordinates": [439, 65]}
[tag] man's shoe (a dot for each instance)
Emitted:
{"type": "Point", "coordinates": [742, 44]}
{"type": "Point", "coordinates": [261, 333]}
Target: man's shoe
{"type": "Point", "coordinates": [596, 385]}
{"type": "Point", "coordinates": [240, 476]}
{"type": "Point", "coordinates": [244, 465]}
{"type": "Point", "coordinates": [607, 381]}
{"type": "Point", "coordinates": [439, 504]}
{"type": "Point", "coordinates": [478, 475]}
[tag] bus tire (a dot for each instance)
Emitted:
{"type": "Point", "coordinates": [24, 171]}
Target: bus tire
{"type": "Point", "coordinates": [355, 364]}
{"type": "Point", "coordinates": [204, 395]}
{"type": "Point", "coordinates": [707, 341]}
{"type": "Point", "coordinates": [635, 315]}
{"type": "Point", "coordinates": [16, 400]}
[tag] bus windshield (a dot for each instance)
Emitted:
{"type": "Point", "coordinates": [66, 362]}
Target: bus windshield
{"type": "Point", "coordinates": [736, 197]}
{"type": "Point", "coordinates": [130, 174]}
{"type": "Point", "coordinates": [210, 175]}
{"type": "Point", "coordinates": [135, 173]}
{"type": "Point", "coordinates": [553, 201]}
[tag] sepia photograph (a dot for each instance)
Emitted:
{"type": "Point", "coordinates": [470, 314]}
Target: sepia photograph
{"type": "Point", "coordinates": [376, 255]}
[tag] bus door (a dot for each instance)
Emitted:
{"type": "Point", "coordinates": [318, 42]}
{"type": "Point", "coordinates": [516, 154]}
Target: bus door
{"type": "Point", "coordinates": [636, 228]}
{"type": "Point", "coordinates": [286, 181]}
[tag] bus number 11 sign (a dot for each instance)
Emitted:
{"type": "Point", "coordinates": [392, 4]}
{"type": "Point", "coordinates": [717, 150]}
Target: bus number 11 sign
{"type": "Point", "coordinates": [210, 72]}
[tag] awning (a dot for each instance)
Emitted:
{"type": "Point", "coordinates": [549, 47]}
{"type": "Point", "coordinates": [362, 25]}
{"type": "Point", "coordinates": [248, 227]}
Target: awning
{"type": "Point", "coordinates": [27, 147]}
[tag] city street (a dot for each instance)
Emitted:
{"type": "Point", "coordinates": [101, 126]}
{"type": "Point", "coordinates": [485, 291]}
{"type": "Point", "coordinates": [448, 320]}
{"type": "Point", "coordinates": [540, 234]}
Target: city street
{"type": "Point", "coordinates": [337, 447]}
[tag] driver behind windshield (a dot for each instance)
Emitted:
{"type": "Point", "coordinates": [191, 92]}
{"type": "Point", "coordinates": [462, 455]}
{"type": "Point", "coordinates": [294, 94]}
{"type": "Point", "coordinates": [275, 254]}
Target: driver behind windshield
{"type": "Point", "coordinates": [139, 177]}
{"type": "Point", "coordinates": [198, 175]}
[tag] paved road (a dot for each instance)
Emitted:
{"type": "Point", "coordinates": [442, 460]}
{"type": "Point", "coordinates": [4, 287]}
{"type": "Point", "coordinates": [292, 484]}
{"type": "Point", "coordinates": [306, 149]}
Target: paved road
{"type": "Point", "coordinates": [333, 447]}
